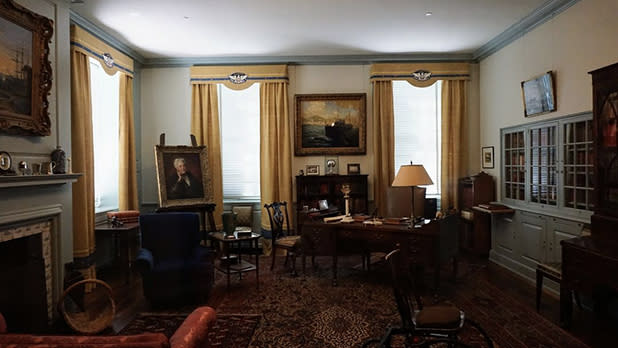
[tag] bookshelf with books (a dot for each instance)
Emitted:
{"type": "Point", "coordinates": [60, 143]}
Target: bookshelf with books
{"type": "Point", "coordinates": [311, 189]}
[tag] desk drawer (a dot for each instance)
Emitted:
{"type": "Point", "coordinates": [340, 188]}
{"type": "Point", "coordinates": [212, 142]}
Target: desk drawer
{"type": "Point", "coordinates": [419, 249]}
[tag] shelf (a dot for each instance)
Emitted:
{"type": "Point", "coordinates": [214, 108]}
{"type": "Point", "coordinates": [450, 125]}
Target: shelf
{"type": "Point", "coordinates": [9, 181]}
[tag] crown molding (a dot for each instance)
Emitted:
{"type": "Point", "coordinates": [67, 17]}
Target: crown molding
{"type": "Point", "coordinates": [542, 14]}
{"type": "Point", "coordinates": [107, 38]}
{"type": "Point", "coordinates": [306, 60]}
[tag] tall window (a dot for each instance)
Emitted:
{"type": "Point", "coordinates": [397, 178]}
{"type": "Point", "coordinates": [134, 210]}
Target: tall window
{"type": "Point", "coordinates": [418, 128]}
{"type": "Point", "coordinates": [240, 142]}
{"type": "Point", "coordinates": [104, 90]}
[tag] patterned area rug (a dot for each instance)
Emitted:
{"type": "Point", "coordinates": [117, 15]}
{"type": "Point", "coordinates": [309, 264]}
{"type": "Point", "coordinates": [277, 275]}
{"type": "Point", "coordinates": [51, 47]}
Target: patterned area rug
{"type": "Point", "coordinates": [309, 312]}
{"type": "Point", "coordinates": [229, 330]}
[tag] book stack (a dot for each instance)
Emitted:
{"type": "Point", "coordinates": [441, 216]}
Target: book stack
{"type": "Point", "coordinates": [396, 221]}
{"type": "Point", "coordinates": [126, 216]}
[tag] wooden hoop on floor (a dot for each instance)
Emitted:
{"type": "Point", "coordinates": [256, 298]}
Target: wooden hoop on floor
{"type": "Point", "coordinates": [89, 322]}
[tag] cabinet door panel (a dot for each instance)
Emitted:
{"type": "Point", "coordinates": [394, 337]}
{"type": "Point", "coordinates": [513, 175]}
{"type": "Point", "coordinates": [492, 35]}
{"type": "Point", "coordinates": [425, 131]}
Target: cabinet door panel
{"type": "Point", "coordinates": [504, 234]}
{"type": "Point", "coordinates": [532, 239]}
{"type": "Point", "coordinates": [557, 230]}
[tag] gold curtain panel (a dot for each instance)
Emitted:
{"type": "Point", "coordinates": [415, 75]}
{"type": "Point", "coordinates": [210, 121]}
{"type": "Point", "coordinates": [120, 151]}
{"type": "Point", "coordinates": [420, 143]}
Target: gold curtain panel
{"type": "Point", "coordinates": [88, 44]}
{"type": "Point", "coordinates": [238, 77]}
{"type": "Point", "coordinates": [419, 74]}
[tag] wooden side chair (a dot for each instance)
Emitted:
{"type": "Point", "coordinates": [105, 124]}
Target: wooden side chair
{"type": "Point", "coordinates": [423, 326]}
{"type": "Point", "coordinates": [282, 238]}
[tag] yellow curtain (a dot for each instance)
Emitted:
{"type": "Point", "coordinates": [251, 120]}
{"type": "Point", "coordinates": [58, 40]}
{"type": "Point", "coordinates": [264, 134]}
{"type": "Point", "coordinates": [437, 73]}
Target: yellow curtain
{"type": "Point", "coordinates": [205, 127]}
{"type": "Point", "coordinates": [127, 168]}
{"type": "Point", "coordinates": [454, 123]}
{"type": "Point", "coordinates": [83, 162]}
{"type": "Point", "coordinates": [384, 142]}
{"type": "Point", "coordinates": [275, 147]}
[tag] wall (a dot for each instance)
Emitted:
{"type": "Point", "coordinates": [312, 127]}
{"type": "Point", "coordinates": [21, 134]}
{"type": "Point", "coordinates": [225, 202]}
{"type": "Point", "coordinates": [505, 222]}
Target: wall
{"type": "Point", "coordinates": [166, 107]}
{"type": "Point", "coordinates": [578, 40]}
{"type": "Point", "coordinates": [36, 148]}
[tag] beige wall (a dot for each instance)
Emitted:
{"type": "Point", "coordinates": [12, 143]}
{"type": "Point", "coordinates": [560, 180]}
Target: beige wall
{"type": "Point", "coordinates": [166, 108]}
{"type": "Point", "coordinates": [578, 40]}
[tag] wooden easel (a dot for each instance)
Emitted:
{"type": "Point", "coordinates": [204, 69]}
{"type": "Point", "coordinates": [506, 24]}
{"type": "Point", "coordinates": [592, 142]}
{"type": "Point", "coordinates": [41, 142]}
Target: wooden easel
{"type": "Point", "coordinates": [204, 209]}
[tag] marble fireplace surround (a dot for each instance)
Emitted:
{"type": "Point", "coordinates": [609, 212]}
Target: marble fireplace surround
{"type": "Point", "coordinates": [41, 220]}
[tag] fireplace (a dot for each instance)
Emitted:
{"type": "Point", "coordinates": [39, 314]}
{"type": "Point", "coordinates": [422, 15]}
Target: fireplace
{"type": "Point", "coordinates": [26, 295]}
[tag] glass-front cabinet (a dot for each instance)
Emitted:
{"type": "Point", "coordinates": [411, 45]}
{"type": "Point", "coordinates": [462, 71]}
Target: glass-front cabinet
{"type": "Point", "coordinates": [514, 165]}
{"type": "Point", "coordinates": [549, 164]}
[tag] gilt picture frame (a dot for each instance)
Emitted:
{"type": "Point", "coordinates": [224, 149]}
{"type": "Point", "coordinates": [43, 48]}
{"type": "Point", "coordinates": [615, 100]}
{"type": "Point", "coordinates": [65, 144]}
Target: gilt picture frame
{"type": "Point", "coordinates": [539, 95]}
{"type": "Point", "coordinates": [25, 70]}
{"type": "Point", "coordinates": [330, 124]}
{"type": "Point", "coordinates": [182, 175]}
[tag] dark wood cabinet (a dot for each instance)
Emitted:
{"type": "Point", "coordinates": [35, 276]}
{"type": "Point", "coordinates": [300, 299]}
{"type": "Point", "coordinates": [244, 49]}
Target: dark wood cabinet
{"type": "Point", "coordinates": [589, 263]}
{"type": "Point", "coordinates": [475, 231]}
{"type": "Point", "coordinates": [605, 119]}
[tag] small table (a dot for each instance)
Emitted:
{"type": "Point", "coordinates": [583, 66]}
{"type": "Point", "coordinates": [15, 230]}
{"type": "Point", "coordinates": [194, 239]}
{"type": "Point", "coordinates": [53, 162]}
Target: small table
{"type": "Point", "coordinates": [241, 265]}
{"type": "Point", "coordinates": [121, 232]}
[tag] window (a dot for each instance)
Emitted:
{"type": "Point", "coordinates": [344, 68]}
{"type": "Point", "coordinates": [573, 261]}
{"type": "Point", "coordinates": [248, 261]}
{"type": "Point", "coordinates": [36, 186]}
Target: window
{"type": "Point", "coordinates": [418, 128]}
{"type": "Point", "coordinates": [240, 142]}
{"type": "Point", "coordinates": [105, 96]}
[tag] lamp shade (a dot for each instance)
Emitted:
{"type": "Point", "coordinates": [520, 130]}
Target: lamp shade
{"type": "Point", "coordinates": [412, 175]}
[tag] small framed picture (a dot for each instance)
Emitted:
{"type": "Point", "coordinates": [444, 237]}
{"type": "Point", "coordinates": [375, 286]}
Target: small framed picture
{"type": "Point", "coordinates": [487, 157]}
{"type": "Point", "coordinates": [353, 168]}
{"type": "Point", "coordinates": [323, 204]}
{"type": "Point", "coordinates": [312, 169]}
{"type": "Point", "coordinates": [331, 165]}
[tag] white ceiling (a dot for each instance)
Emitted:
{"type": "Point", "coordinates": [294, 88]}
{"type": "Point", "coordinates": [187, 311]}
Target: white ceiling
{"type": "Point", "coordinates": [277, 28]}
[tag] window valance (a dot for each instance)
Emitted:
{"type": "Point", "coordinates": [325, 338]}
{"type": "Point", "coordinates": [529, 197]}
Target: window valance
{"type": "Point", "coordinates": [111, 59]}
{"type": "Point", "coordinates": [419, 74]}
{"type": "Point", "coordinates": [238, 77]}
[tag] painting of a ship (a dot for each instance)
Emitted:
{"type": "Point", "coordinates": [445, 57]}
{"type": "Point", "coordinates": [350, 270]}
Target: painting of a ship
{"type": "Point", "coordinates": [15, 69]}
{"type": "Point", "coordinates": [330, 124]}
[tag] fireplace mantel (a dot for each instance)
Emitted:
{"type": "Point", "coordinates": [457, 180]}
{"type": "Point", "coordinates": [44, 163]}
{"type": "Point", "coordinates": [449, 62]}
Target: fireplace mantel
{"type": "Point", "coordinates": [36, 180]}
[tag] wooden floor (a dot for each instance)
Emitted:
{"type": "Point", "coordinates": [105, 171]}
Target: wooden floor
{"type": "Point", "coordinates": [586, 326]}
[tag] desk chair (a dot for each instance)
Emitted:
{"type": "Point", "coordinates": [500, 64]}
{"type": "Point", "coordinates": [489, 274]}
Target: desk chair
{"type": "Point", "coordinates": [430, 326]}
{"type": "Point", "coordinates": [282, 238]}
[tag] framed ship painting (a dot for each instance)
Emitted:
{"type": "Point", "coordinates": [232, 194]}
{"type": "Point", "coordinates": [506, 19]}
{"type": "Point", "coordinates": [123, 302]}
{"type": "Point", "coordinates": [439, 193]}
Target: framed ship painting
{"type": "Point", "coordinates": [25, 70]}
{"type": "Point", "coordinates": [330, 124]}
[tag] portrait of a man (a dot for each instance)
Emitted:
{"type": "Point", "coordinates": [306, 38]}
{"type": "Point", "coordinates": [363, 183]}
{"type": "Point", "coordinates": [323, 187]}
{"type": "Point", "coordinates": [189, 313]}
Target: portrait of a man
{"type": "Point", "coordinates": [182, 184]}
{"type": "Point", "coordinates": [182, 175]}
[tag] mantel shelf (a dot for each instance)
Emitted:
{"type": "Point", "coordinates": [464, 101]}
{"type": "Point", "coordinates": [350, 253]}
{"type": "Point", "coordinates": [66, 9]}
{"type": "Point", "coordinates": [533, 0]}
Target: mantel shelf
{"type": "Point", "coordinates": [9, 181]}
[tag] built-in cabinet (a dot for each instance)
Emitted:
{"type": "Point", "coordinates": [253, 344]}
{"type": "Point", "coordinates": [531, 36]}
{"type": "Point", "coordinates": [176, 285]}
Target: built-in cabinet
{"type": "Point", "coordinates": [548, 179]}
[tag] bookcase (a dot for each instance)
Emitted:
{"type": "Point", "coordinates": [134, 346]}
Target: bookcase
{"type": "Point", "coordinates": [310, 189]}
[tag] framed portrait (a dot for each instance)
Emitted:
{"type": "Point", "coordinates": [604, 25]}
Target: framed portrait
{"type": "Point", "coordinates": [331, 165]}
{"type": "Point", "coordinates": [182, 175]}
{"type": "Point", "coordinates": [353, 168]}
{"type": "Point", "coordinates": [487, 155]}
{"type": "Point", "coordinates": [312, 169]}
{"type": "Point", "coordinates": [330, 124]}
{"type": "Point", "coordinates": [539, 95]}
{"type": "Point", "coordinates": [26, 73]}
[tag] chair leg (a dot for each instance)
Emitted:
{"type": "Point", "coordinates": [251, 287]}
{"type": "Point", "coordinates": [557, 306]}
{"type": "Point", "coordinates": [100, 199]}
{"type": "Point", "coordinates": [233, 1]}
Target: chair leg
{"type": "Point", "coordinates": [539, 289]}
{"type": "Point", "coordinates": [579, 303]}
{"type": "Point", "coordinates": [273, 251]}
{"type": "Point", "coordinates": [294, 273]}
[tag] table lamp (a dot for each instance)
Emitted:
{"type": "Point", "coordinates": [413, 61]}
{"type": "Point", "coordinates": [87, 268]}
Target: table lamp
{"type": "Point", "coordinates": [412, 175]}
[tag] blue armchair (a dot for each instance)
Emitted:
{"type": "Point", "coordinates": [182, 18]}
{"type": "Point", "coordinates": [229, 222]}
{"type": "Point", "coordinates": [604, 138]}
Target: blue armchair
{"type": "Point", "coordinates": [174, 266]}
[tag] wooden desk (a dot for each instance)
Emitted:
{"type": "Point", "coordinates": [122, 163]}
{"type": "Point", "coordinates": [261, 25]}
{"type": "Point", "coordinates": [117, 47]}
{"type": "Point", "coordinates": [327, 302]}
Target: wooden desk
{"type": "Point", "coordinates": [424, 245]}
{"type": "Point", "coordinates": [122, 234]}
{"type": "Point", "coordinates": [481, 241]}
{"type": "Point", "coordinates": [588, 265]}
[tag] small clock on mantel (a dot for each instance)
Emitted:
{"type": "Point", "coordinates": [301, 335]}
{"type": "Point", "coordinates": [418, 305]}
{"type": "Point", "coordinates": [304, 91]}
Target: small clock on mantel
{"type": "Point", "coordinates": [5, 163]}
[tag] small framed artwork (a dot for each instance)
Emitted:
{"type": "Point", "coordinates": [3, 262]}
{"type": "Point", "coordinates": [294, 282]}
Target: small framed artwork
{"type": "Point", "coordinates": [312, 169]}
{"type": "Point", "coordinates": [331, 165]}
{"type": "Point", "coordinates": [539, 95]}
{"type": "Point", "coordinates": [353, 168]}
{"type": "Point", "coordinates": [487, 155]}
{"type": "Point", "coordinates": [323, 204]}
